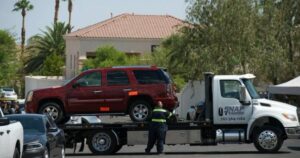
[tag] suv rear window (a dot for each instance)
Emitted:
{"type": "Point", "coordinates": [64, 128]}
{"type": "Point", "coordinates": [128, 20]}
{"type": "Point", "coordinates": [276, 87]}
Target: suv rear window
{"type": "Point", "coordinates": [117, 78]}
{"type": "Point", "coordinates": [150, 76]}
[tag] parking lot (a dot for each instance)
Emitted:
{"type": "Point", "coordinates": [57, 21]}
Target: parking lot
{"type": "Point", "coordinates": [290, 149]}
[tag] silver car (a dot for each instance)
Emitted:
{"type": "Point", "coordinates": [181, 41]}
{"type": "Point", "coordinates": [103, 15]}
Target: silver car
{"type": "Point", "coordinates": [8, 94]}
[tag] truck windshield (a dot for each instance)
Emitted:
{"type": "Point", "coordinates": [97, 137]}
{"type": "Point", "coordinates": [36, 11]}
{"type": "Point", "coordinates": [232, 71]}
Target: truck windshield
{"type": "Point", "coordinates": [251, 89]}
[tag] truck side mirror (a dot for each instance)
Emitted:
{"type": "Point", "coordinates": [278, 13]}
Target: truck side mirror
{"type": "Point", "coordinates": [243, 96]}
{"type": "Point", "coordinates": [4, 121]}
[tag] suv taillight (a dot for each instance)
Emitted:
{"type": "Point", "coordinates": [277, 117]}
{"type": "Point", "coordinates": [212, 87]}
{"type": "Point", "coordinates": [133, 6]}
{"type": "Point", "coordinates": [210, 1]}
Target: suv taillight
{"type": "Point", "coordinates": [171, 89]}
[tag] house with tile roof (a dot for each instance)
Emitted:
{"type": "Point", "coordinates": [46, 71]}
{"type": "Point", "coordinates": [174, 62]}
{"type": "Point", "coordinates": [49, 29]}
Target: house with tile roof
{"type": "Point", "coordinates": [129, 33]}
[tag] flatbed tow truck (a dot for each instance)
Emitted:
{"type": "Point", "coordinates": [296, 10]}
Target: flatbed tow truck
{"type": "Point", "coordinates": [233, 113]}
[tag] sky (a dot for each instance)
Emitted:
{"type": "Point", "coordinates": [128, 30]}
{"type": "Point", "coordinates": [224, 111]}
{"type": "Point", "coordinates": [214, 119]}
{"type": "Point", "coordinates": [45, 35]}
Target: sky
{"type": "Point", "coordinates": [85, 13]}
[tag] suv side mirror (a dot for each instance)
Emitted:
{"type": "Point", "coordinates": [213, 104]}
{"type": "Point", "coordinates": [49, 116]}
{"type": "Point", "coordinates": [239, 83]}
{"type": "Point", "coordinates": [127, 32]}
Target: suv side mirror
{"type": "Point", "coordinates": [243, 96]}
{"type": "Point", "coordinates": [80, 83]}
{"type": "Point", "coordinates": [4, 121]}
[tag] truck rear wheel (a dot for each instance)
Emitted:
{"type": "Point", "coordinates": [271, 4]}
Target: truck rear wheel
{"type": "Point", "coordinates": [140, 111]}
{"type": "Point", "coordinates": [102, 143]}
{"type": "Point", "coordinates": [268, 139]}
{"type": "Point", "coordinates": [54, 110]}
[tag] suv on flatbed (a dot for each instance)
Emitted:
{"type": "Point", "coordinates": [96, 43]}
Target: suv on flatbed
{"type": "Point", "coordinates": [132, 90]}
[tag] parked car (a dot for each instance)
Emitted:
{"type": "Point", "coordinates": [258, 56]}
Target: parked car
{"type": "Point", "coordinates": [7, 93]}
{"type": "Point", "coordinates": [11, 138]}
{"type": "Point", "coordinates": [132, 90]}
{"type": "Point", "coordinates": [42, 138]}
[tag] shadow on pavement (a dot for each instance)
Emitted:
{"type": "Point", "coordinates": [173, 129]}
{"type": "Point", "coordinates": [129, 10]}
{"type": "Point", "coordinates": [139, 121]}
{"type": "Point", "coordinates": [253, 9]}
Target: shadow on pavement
{"type": "Point", "coordinates": [295, 148]}
{"type": "Point", "coordinates": [182, 153]}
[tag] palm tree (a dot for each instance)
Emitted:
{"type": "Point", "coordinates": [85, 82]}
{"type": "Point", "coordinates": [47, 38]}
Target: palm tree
{"type": "Point", "coordinates": [70, 7]}
{"type": "Point", "coordinates": [56, 10]}
{"type": "Point", "coordinates": [42, 46]}
{"type": "Point", "coordinates": [24, 6]}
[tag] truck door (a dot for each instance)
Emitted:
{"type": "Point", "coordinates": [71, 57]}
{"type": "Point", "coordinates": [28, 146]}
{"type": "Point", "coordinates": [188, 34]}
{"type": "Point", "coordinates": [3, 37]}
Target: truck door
{"type": "Point", "coordinates": [227, 106]}
{"type": "Point", "coordinates": [88, 95]}
{"type": "Point", "coordinates": [117, 88]}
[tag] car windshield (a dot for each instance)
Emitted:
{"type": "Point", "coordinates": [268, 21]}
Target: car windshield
{"type": "Point", "coordinates": [30, 124]}
{"type": "Point", "coordinates": [251, 89]}
{"type": "Point", "coordinates": [8, 89]}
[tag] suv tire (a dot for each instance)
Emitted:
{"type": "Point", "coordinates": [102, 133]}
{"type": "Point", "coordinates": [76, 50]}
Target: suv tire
{"type": "Point", "coordinates": [140, 111]}
{"type": "Point", "coordinates": [54, 110]}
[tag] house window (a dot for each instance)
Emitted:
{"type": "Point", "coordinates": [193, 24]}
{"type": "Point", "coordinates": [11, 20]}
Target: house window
{"type": "Point", "coordinates": [90, 55]}
{"type": "Point", "coordinates": [153, 47]}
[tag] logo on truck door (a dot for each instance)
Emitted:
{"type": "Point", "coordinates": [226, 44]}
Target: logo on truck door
{"type": "Point", "coordinates": [231, 113]}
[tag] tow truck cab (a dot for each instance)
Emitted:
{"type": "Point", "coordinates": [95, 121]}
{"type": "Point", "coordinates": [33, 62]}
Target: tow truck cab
{"type": "Point", "coordinates": [238, 113]}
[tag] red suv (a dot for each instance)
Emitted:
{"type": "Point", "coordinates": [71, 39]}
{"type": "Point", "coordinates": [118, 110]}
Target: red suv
{"type": "Point", "coordinates": [132, 90]}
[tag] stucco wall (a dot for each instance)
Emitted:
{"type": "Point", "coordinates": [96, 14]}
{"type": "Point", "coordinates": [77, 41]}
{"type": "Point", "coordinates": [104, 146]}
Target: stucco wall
{"type": "Point", "coordinates": [37, 82]}
{"type": "Point", "coordinates": [77, 48]}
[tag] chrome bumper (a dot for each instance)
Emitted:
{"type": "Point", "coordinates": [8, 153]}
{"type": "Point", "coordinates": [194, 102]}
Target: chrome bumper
{"type": "Point", "coordinates": [293, 132]}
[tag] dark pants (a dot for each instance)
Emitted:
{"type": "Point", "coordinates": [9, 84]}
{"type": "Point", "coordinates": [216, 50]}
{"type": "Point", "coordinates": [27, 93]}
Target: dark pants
{"type": "Point", "coordinates": [157, 134]}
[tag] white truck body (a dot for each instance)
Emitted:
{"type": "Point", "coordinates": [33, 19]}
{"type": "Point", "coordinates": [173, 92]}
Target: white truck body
{"type": "Point", "coordinates": [232, 111]}
{"type": "Point", "coordinates": [11, 138]}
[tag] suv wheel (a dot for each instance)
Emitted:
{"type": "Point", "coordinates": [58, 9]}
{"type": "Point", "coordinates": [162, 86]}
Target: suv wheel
{"type": "Point", "coordinates": [140, 111]}
{"type": "Point", "coordinates": [54, 110]}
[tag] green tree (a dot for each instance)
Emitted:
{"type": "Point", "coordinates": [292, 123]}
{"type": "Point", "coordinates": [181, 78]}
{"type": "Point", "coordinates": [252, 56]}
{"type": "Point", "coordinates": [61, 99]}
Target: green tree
{"type": "Point", "coordinates": [108, 56]}
{"type": "Point", "coordinates": [53, 65]}
{"type": "Point", "coordinates": [8, 59]}
{"type": "Point", "coordinates": [41, 46]}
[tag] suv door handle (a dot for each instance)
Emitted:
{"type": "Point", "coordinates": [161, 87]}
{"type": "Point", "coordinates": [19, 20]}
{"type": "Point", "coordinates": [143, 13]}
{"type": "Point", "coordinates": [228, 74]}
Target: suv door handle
{"type": "Point", "coordinates": [95, 92]}
{"type": "Point", "coordinates": [8, 131]}
{"type": "Point", "coordinates": [127, 89]}
{"type": "Point", "coordinates": [1, 133]}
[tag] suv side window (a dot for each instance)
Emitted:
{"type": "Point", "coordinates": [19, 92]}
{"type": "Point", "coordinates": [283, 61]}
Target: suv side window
{"type": "Point", "coordinates": [230, 89]}
{"type": "Point", "coordinates": [149, 76]}
{"type": "Point", "coordinates": [117, 78]}
{"type": "Point", "coordinates": [91, 79]}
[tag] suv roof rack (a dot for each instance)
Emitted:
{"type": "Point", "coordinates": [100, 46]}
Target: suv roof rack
{"type": "Point", "coordinates": [134, 66]}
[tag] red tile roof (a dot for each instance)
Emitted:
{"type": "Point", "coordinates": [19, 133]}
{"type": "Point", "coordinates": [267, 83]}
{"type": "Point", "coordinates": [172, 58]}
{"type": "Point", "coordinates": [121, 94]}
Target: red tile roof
{"type": "Point", "coordinates": [131, 26]}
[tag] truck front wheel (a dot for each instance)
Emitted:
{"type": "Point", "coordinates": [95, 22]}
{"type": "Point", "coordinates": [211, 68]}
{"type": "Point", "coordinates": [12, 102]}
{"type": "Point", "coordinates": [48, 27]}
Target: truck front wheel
{"type": "Point", "coordinates": [54, 110]}
{"type": "Point", "coordinates": [102, 142]}
{"type": "Point", "coordinates": [268, 139]}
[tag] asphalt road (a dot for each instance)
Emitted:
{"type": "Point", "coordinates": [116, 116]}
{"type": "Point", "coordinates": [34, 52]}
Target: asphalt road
{"type": "Point", "coordinates": [290, 149]}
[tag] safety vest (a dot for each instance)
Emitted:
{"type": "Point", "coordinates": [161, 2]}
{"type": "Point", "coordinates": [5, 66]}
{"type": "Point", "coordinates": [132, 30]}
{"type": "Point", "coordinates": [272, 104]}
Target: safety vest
{"type": "Point", "coordinates": [160, 115]}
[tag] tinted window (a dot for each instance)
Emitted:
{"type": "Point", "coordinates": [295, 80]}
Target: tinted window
{"type": "Point", "coordinates": [230, 89]}
{"type": "Point", "coordinates": [150, 76]}
{"type": "Point", "coordinates": [30, 124]}
{"type": "Point", "coordinates": [117, 78]}
{"type": "Point", "coordinates": [91, 79]}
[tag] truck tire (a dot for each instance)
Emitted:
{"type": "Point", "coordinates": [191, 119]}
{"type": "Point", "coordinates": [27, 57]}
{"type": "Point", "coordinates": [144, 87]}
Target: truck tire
{"type": "Point", "coordinates": [54, 110]}
{"type": "Point", "coordinates": [140, 111]}
{"type": "Point", "coordinates": [268, 139]}
{"type": "Point", "coordinates": [102, 142]}
{"type": "Point", "coordinates": [16, 153]}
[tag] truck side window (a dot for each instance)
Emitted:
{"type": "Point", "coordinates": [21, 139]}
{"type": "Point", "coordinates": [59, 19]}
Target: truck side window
{"type": "Point", "coordinates": [91, 79]}
{"type": "Point", "coordinates": [117, 78]}
{"type": "Point", "coordinates": [230, 89]}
